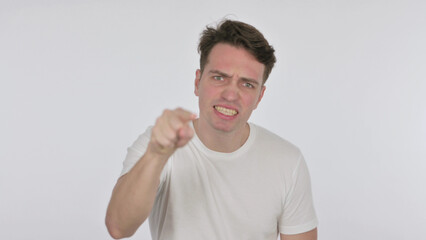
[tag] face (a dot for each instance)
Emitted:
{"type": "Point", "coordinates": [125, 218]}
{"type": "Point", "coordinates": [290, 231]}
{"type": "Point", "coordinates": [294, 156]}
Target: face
{"type": "Point", "coordinates": [229, 88]}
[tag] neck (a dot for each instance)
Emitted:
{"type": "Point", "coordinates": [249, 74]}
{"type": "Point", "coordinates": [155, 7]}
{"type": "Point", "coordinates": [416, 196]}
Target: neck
{"type": "Point", "coordinates": [221, 141]}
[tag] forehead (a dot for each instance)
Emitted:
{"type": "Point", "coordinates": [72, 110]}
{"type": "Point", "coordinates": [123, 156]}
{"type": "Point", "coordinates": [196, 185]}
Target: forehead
{"type": "Point", "coordinates": [234, 60]}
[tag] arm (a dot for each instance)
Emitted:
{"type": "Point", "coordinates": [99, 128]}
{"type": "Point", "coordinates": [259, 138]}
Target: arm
{"type": "Point", "coordinates": [134, 194]}
{"type": "Point", "coordinates": [299, 213]}
{"type": "Point", "coordinates": [311, 235]}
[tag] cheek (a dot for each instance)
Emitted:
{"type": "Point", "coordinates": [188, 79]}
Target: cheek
{"type": "Point", "coordinates": [208, 93]}
{"type": "Point", "coordinates": [206, 96]}
{"type": "Point", "coordinates": [250, 100]}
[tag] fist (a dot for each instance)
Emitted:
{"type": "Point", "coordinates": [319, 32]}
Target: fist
{"type": "Point", "coordinates": [171, 131]}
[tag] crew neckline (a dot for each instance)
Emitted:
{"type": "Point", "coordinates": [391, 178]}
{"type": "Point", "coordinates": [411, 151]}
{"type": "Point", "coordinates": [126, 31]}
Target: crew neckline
{"type": "Point", "coordinates": [222, 155]}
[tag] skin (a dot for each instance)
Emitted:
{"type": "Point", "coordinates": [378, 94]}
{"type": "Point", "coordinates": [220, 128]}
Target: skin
{"type": "Point", "coordinates": [311, 235]}
{"type": "Point", "coordinates": [232, 78]}
{"type": "Point", "coordinates": [134, 193]}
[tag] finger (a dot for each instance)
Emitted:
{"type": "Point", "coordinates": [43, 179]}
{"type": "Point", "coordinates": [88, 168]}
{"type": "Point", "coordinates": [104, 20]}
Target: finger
{"type": "Point", "coordinates": [162, 130]}
{"type": "Point", "coordinates": [184, 135]}
{"type": "Point", "coordinates": [176, 118]}
{"type": "Point", "coordinates": [186, 132]}
{"type": "Point", "coordinates": [175, 122]}
{"type": "Point", "coordinates": [171, 129]}
{"type": "Point", "coordinates": [185, 115]}
{"type": "Point", "coordinates": [165, 135]}
{"type": "Point", "coordinates": [159, 138]}
{"type": "Point", "coordinates": [168, 124]}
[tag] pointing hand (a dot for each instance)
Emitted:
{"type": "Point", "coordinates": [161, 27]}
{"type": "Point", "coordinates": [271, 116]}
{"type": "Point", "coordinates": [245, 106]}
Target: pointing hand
{"type": "Point", "coordinates": [171, 131]}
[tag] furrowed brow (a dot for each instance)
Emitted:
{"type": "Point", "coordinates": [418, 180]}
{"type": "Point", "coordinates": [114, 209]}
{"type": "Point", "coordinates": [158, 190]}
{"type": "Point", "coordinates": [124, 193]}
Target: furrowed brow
{"type": "Point", "coordinates": [250, 80]}
{"type": "Point", "coordinates": [220, 73]}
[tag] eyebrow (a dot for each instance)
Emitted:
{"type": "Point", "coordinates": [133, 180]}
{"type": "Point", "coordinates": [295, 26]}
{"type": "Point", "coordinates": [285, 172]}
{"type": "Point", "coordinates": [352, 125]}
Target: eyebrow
{"type": "Point", "coordinates": [250, 80]}
{"type": "Point", "coordinates": [220, 73]}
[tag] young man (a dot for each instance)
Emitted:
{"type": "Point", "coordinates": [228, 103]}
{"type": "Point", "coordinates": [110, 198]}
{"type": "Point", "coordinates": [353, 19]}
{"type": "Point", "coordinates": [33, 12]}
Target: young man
{"type": "Point", "coordinates": [217, 176]}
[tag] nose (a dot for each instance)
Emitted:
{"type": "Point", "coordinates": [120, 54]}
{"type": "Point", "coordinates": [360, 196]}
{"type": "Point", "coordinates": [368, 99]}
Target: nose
{"type": "Point", "coordinates": [231, 92]}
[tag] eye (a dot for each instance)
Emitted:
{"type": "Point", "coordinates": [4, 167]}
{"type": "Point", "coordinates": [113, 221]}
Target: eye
{"type": "Point", "coordinates": [249, 85]}
{"type": "Point", "coordinates": [219, 78]}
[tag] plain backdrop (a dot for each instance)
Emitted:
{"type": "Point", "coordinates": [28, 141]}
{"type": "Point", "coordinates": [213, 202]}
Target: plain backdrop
{"type": "Point", "coordinates": [80, 80]}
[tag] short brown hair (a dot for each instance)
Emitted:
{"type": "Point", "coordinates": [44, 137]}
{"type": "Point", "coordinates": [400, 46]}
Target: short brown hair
{"type": "Point", "coordinates": [237, 34]}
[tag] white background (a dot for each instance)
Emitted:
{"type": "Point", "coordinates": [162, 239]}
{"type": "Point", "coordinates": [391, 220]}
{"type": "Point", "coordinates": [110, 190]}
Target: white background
{"type": "Point", "coordinates": [80, 80]}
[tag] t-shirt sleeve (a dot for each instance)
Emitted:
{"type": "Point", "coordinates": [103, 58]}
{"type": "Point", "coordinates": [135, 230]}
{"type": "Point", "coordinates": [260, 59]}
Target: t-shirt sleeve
{"type": "Point", "coordinates": [298, 215]}
{"type": "Point", "coordinates": [136, 151]}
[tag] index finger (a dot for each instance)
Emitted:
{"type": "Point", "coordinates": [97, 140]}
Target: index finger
{"type": "Point", "coordinates": [185, 115]}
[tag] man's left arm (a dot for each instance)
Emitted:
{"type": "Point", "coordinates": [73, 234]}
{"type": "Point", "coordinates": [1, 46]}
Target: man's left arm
{"type": "Point", "coordinates": [298, 220]}
{"type": "Point", "coordinates": [311, 235]}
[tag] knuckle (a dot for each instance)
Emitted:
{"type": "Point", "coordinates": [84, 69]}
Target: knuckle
{"type": "Point", "coordinates": [166, 111]}
{"type": "Point", "coordinates": [176, 124]}
{"type": "Point", "coordinates": [157, 121]}
{"type": "Point", "coordinates": [164, 114]}
{"type": "Point", "coordinates": [170, 135]}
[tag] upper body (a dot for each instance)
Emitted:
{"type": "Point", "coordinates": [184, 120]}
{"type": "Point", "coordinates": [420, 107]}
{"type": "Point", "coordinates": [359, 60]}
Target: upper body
{"type": "Point", "coordinates": [235, 62]}
{"type": "Point", "coordinates": [252, 193]}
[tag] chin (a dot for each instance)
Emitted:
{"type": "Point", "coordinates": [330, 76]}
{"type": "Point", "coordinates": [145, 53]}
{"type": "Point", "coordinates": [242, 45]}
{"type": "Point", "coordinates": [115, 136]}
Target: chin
{"type": "Point", "coordinates": [225, 127]}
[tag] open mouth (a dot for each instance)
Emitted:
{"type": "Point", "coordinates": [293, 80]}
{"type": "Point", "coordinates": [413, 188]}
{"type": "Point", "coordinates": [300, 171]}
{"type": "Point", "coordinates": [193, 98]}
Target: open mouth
{"type": "Point", "coordinates": [226, 111]}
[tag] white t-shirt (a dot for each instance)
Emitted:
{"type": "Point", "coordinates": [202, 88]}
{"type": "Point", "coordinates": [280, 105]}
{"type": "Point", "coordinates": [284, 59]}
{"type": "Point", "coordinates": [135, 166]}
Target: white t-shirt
{"type": "Point", "coordinates": [256, 192]}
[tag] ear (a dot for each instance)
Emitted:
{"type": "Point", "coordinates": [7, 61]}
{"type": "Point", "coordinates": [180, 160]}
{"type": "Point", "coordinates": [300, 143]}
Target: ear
{"type": "Point", "coordinates": [262, 91]}
{"type": "Point", "coordinates": [197, 81]}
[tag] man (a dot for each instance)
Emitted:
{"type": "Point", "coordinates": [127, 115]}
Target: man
{"type": "Point", "coordinates": [217, 176]}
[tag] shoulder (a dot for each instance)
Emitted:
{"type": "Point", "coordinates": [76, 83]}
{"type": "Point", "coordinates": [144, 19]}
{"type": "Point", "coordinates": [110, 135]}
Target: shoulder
{"type": "Point", "coordinates": [272, 142]}
{"type": "Point", "coordinates": [280, 157]}
{"type": "Point", "coordinates": [140, 144]}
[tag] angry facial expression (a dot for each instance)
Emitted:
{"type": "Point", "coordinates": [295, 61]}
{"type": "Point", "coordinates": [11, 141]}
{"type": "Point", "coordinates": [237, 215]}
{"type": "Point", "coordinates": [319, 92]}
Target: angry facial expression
{"type": "Point", "coordinates": [229, 88]}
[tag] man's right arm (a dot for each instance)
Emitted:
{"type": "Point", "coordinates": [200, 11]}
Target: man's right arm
{"type": "Point", "coordinates": [134, 194]}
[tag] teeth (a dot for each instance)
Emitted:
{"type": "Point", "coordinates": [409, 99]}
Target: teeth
{"type": "Point", "coordinates": [226, 111]}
